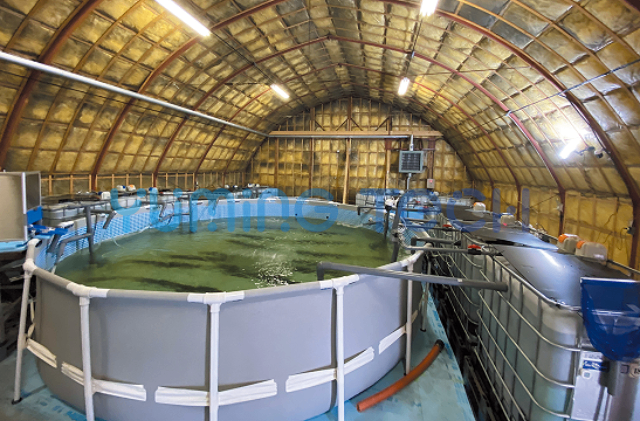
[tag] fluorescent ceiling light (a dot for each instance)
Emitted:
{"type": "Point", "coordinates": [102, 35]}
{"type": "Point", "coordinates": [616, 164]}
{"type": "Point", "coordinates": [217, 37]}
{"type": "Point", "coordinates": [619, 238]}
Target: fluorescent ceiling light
{"type": "Point", "coordinates": [281, 92]}
{"type": "Point", "coordinates": [404, 86]}
{"type": "Point", "coordinates": [569, 148]}
{"type": "Point", "coordinates": [184, 16]}
{"type": "Point", "coordinates": [428, 7]}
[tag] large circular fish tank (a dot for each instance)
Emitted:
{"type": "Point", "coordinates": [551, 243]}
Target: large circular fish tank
{"type": "Point", "coordinates": [153, 336]}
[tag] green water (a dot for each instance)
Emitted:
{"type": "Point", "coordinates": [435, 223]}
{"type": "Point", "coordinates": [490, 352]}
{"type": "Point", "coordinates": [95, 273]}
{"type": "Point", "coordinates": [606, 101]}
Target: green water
{"type": "Point", "coordinates": [223, 261]}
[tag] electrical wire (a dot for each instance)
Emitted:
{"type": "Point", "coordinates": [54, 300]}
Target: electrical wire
{"type": "Point", "coordinates": [541, 202]}
{"type": "Point", "coordinates": [414, 41]}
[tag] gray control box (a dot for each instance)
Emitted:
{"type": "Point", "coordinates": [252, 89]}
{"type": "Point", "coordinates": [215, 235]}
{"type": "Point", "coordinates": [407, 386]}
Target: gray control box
{"type": "Point", "coordinates": [19, 193]}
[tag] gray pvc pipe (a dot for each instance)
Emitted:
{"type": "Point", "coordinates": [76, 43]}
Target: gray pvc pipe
{"type": "Point", "coordinates": [442, 280]}
{"type": "Point", "coordinates": [435, 240]}
{"type": "Point", "coordinates": [449, 251]}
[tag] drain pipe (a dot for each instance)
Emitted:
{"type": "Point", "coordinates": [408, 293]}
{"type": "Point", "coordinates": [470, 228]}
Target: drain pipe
{"type": "Point", "coordinates": [28, 267]}
{"type": "Point", "coordinates": [403, 382]}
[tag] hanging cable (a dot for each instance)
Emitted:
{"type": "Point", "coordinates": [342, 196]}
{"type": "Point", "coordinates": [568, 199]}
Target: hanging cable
{"type": "Point", "coordinates": [406, 82]}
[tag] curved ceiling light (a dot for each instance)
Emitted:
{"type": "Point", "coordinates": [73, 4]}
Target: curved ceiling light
{"type": "Point", "coordinates": [569, 148]}
{"type": "Point", "coordinates": [185, 17]}
{"type": "Point", "coordinates": [428, 7]}
{"type": "Point", "coordinates": [572, 138]}
{"type": "Point", "coordinates": [404, 86]}
{"type": "Point", "coordinates": [281, 92]}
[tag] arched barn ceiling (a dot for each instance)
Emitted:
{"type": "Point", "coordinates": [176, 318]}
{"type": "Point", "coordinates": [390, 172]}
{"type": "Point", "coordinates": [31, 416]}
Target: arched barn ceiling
{"type": "Point", "coordinates": [491, 75]}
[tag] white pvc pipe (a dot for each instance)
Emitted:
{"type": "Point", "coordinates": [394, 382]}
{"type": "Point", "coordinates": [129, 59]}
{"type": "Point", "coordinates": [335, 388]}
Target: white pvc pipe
{"type": "Point", "coordinates": [340, 350]}
{"type": "Point", "coordinates": [409, 325]}
{"type": "Point", "coordinates": [22, 336]}
{"type": "Point", "coordinates": [29, 266]}
{"type": "Point", "coordinates": [214, 358]}
{"type": "Point", "coordinates": [108, 87]}
{"type": "Point", "coordinates": [86, 358]}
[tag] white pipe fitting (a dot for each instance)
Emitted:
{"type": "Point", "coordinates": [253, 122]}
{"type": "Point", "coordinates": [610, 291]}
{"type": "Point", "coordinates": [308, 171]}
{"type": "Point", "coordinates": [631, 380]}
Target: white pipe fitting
{"type": "Point", "coordinates": [29, 262]}
{"type": "Point", "coordinates": [84, 291]}
{"type": "Point", "coordinates": [211, 298]}
{"type": "Point", "coordinates": [339, 282]}
{"type": "Point", "coordinates": [412, 259]}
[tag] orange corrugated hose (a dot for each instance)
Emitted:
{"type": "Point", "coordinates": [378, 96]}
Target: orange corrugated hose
{"type": "Point", "coordinates": [403, 382]}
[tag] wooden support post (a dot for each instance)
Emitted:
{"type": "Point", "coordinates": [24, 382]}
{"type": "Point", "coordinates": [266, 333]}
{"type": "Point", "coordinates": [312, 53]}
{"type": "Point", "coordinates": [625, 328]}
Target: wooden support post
{"type": "Point", "coordinates": [312, 127]}
{"type": "Point", "coordinates": [347, 160]}
{"type": "Point", "coordinates": [431, 157]}
{"type": "Point", "coordinates": [563, 202]}
{"type": "Point", "coordinates": [275, 172]}
{"type": "Point", "coordinates": [387, 150]}
{"type": "Point", "coordinates": [347, 164]}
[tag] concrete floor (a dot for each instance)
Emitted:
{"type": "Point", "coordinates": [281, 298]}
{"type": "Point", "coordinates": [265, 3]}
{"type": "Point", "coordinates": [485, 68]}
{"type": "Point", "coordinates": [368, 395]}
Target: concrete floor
{"type": "Point", "coordinates": [437, 395]}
